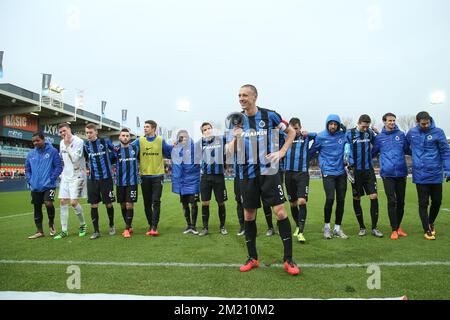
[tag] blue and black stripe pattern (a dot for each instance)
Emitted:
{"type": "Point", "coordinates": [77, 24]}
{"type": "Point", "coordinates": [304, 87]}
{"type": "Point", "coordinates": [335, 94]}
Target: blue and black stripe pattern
{"type": "Point", "coordinates": [213, 155]}
{"type": "Point", "coordinates": [127, 170]}
{"type": "Point", "coordinates": [260, 139]}
{"type": "Point", "coordinates": [361, 145]}
{"type": "Point", "coordinates": [99, 153]}
{"type": "Point", "coordinates": [296, 158]}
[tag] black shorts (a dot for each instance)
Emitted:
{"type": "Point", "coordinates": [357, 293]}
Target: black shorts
{"type": "Point", "coordinates": [189, 198]}
{"type": "Point", "coordinates": [297, 185]}
{"type": "Point", "coordinates": [365, 183]}
{"type": "Point", "coordinates": [40, 197]}
{"type": "Point", "coordinates": [100, 190]}
{"type": "Point", "coordinates": [266, 187]}
{"type": "Point", "coordinates": [127, 193]}
{"type": "Point", "coordinates": [216, 182]}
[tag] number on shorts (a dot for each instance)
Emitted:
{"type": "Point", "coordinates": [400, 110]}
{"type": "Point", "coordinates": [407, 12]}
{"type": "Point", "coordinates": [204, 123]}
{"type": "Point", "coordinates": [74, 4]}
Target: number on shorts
{"type": "Point", "coordinates": [52, 193]}
{"type": "Point", "coordinates": [133, 194]}
{"type": "Point", "coordinates": [280, 189]}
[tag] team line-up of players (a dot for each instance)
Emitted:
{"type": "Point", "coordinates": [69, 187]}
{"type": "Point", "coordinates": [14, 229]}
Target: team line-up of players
{"type": "Point", "coordinates": [264, 150]}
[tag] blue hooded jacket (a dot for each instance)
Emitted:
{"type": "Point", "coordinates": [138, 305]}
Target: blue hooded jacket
{"type": "Point", "coordinates": [42, 168]}
{"type": "Point", "coordinates": [430, 154]}
{"type": "Point", "coordinates": [330, 148]}
{"type": "Point", "coordinates": [185, 170]}
{"type": "Point", "coordinates": [392, 147]}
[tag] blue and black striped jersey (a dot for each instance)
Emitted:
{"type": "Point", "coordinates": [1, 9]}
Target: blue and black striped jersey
{"type": "Point", "coordinates": [359, 148]}
{"type": "Point", "coordinates": [99, 154]}
{"type": "Point", "coordinates": [213, 155]}
{"type": "Point", "coordinates": [127, 165]}
{"type": "Point", "coordinates": [261, 137]}
{"type": "Point", "coordinates": [296, 158]}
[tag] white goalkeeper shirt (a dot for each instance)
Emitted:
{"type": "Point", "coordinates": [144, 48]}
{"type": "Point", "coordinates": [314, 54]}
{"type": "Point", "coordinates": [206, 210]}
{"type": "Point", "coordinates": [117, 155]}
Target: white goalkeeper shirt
{"type": "Point", "coordinates": [74, 162]}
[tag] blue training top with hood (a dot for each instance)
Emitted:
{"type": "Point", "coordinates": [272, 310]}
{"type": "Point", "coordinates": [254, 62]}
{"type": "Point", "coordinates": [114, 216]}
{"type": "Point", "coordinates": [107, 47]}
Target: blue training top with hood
{"type": "Point", "coordinates": [331, 149]}
{"type": "Point", "coordinates": [185, 169]}
{"type": "Point", "coordinates": [42, 168]}
{"type": "Point", "coordinates": [430, 154]}
{"type": "Point", "coordinates": [392, 147]}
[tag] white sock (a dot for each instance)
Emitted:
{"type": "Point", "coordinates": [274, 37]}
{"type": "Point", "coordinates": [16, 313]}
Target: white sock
{"type": "Point", "coordinates": [337, 227]}
{"type": "Point", "coordinates": [64, 215]}
{"type": "Point", "coordinates": [327, 226]}
{"type": "Point", "coordinates": [79, 212]}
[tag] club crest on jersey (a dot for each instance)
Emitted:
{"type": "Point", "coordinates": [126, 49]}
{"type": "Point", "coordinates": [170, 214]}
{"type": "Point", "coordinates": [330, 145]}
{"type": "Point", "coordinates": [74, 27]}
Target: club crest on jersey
{"type": "Point", "coordinates": [340, 141]}
{"type": "Point", "coordinates": [262, 124]}
{"type": "Point", "coordinates": [47, 156]}
{"type": "Point", "coordinates": [397, 138]}
{"type": "Point", "coordinates": [430, 137]}
{"type": "Point", "coordinates": [101, 146]}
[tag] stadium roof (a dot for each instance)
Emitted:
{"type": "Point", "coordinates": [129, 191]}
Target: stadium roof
{"type": "Point", "coordinates": [16, 100]}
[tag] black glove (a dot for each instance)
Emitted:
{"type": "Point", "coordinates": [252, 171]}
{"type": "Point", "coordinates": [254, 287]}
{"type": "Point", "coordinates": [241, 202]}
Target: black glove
{"type": "Point", "coordinates": [448, 179]}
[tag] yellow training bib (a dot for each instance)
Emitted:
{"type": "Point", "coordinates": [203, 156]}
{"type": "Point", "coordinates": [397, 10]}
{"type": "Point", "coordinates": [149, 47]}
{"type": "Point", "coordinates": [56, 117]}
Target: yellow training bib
{"type": "Point", "coordinates": [151, 161]}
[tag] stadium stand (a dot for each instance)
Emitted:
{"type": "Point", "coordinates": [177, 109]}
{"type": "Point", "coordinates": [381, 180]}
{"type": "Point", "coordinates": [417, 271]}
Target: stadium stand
{"type": "Point", "coordinates": [23, 112]}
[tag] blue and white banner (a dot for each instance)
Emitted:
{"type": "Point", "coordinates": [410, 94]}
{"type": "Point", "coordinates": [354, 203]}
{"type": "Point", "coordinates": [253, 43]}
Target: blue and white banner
{"type": "Point", "coordinates": [46, 79]}
{"type": "Point", "coordinates": [103, 108]}
{"type": "Point", "coordinates": [1, 64]}
{"type": "Point", "coordinates": [124, 115]}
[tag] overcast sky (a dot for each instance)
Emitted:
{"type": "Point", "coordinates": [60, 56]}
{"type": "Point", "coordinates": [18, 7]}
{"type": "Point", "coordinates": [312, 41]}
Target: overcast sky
{"type": "Point", "coordinates": [307, 58]}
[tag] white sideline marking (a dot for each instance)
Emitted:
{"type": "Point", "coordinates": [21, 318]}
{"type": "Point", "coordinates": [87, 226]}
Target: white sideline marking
{"type": "Point", "coordinates": [223, 265]}
{"type": "Point", "coordinates": [445, 209]}
{"type": "Point", "coordinates": [30, 213]}
{"type": "Point", "coordinates": [17, 215]}
{"type": "Point", "coordinates": [50, 295]}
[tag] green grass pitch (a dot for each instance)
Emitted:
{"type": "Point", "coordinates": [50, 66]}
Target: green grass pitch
{"type": "Point", "coordinates": [415, 281]}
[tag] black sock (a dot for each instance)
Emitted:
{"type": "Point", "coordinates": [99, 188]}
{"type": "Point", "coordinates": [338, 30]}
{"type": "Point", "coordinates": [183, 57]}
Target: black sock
{"type": "Point", "coordinates": [156, 214]}
{"type": "Point", "coordinates": [110, 216]}
{"type": "Point", "coordinates": [268, 215]}
{"type": "Point", "coordinates": [222, 215]}
{"type": "Point", "coordinates": [205, 216]}
{"type": "Point", "coordinates": [194, 214]}
{"type": "Point", "coordinates": [129, 217]}
{"type": "Point", "coordinates": [284, 227]}
{"type": "Point", "coordinates": [124, 214]}
{"type": "Point", "coordinates": [359, 213]}
{"type": "Point", "coordinates": [295, 214]}
{"type": "Point", "coordinates": [302, 217]}
{"type": "Point", "coordinates": [94, 216]}
{"type": "Point", "coordinates": [374, 212]}
{"type": "Point", "coordinates": [250, 237]}
{"type": "Point", "coordinates": [51, 215]}
{"type": "Point", "coordinates": [187, 215]}
{"type": "Point", "coordinates": [38, 216]}
{"type": "Point", "coordinates": [240, 214]}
